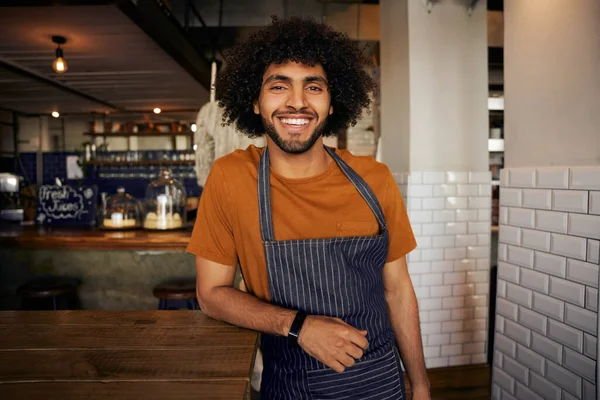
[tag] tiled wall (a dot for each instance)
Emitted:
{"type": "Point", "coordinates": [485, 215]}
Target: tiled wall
{"type": "Point", "coordinates": [55, 165]}
{"type": "Point", "coordinates": [27, 166]}
{"type": "Point", "coordinates": [546, 322]}
{"type": "Point", "coordinates": [450, 216]}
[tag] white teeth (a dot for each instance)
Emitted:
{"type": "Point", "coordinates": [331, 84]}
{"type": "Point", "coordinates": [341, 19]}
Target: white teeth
{"type": "Point", "coordinates": [295, 121]}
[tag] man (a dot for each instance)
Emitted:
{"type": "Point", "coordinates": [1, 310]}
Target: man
{"type": "Point", "coordinates": [321, 235]}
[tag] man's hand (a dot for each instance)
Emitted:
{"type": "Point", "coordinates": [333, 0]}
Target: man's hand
{"type": "Point", "coordinates": [332, 341]}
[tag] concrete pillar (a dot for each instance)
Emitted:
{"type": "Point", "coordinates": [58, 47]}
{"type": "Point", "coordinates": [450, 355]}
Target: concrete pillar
{"type": "Point", "coordinates": [548, 254]}
{"type": "Point", "coordinates": [434, 128]}
{"type": "Point", "coordinates": [552, 89]}
{"type": "Point", "coordinates": [434, 86]}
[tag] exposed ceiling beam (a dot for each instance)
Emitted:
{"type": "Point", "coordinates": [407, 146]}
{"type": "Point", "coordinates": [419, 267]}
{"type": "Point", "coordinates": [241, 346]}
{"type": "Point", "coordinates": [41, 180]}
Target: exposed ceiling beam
{"type": "Point", "coordinates": [161, 25]}
{"type": "Point", "coordinates": [156, 20]}
{"type": "Point", "coordinates": [12, 67]}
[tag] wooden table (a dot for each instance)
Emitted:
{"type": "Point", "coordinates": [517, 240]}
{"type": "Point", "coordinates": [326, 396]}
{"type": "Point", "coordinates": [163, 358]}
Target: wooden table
{"type": "Point", "coordinates": [123, 355]}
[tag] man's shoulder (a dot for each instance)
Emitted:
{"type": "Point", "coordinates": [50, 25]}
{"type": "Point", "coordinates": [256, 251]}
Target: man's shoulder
{"type": "Point", "coordinates": [366, 166]}
{"type": "Point", "coordinates": [239, 160]}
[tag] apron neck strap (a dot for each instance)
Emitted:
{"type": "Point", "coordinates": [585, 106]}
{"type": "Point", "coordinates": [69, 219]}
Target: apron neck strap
{"type": "Point", "coordinates": [264, 193]}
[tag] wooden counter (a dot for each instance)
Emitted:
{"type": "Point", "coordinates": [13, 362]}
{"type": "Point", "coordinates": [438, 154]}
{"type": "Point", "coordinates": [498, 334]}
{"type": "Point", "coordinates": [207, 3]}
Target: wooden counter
{"type": "Point", "coordinates": [93, 239]}
{"type": "Point", "coordinates": [123, 355]}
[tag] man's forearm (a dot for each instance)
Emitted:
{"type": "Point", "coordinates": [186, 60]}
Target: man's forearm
{"type": "Point", "coordinates": [404, 314]}
{"type": "Point", "coordinates": [242, 309]}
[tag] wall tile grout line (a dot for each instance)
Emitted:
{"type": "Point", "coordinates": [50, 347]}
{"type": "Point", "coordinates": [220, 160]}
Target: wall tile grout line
{"type": "Point", "coordinates": [549, 318]}
{"type": "Point", "coordinates": [451, 216]}
{"type": "Point", "coordinates": [546, 309]}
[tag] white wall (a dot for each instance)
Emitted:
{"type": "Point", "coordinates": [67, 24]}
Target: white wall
{"type": "Point", "coordinates": [552, 89]}
{"type": "Point", "coordinates": [449, 87]}
{"type": "Point", "coordinates": [434, 86]}
{"type": "Point", "coordinates": [74, 129]}
{"type": "Point", "coordinates": [395, 95]}
{"type": "Point", "coordinates": [29, 134]}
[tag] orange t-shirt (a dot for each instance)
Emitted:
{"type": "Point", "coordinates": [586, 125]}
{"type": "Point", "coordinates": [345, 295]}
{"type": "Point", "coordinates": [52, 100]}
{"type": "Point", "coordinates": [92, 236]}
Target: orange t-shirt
{"type": "Point", "coordinates": [227, 228]}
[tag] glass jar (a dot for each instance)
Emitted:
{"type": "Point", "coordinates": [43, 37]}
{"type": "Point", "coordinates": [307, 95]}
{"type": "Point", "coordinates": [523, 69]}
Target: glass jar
{"type": "Point", "coordinates": [165, 203]}
{"type": "Point", "coordinates": [120, 211]}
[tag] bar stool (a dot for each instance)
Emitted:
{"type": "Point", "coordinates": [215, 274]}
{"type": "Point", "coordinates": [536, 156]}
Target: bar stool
{"type": "Point", "coordinates": [50, 292]}
{"type": "Point", "coordinates": [177, 294]}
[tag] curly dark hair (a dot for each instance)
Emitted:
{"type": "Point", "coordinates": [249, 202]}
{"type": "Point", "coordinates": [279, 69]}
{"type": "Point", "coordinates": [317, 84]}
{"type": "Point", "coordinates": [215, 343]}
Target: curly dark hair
{"type": "Point", "coordinates": [299, 40]}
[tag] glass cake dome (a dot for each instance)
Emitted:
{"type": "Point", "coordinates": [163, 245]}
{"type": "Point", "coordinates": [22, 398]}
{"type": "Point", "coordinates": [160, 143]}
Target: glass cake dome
{"type": "Point", "coordinates": [120, 211]}
{"type": "Point", "coordinates": [165, 203]}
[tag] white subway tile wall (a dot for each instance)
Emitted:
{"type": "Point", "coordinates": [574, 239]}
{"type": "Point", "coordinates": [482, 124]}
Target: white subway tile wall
{"type": "Point", "coordinates": [451, 211]}
{"type": "Point", "coordinates": [547, 292]}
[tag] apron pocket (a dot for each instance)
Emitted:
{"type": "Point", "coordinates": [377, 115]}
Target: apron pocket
{"type": "Point", "coordinates": [378, 379]}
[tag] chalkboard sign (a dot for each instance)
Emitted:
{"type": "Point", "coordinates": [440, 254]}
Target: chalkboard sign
{"type": "Point", "coordinates": [67, 205]}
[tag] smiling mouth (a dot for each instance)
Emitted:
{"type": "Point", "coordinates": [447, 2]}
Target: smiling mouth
{"type": "Point", "coordinates": [295, 122]}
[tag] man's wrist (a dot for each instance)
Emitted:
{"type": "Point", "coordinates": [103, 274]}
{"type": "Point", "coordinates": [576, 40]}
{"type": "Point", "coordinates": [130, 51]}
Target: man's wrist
{"type": "Point", "coordinates": [294, 332]}
{"type": "Point", "coordinates": [287, 322]}
{"type": "Point", "coordinates": [420, 387]}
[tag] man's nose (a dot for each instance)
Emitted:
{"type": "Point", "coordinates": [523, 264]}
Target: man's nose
{"type": "Point", "coordinates": [296, 99]}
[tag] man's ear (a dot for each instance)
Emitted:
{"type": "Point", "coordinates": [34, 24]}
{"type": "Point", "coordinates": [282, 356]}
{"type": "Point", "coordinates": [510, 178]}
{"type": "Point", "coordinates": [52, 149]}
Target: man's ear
{"type": "Point", "coordinates": [330, 110]}
{"type": "Point", "coordinates": [256, 108]}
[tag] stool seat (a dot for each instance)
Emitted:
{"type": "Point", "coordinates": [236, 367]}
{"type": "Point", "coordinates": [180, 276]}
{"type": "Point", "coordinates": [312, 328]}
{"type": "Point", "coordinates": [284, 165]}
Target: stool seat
{"type": "Point", "coordinates": [176, 289]}
{"type": "Point", "coordinates": [48, 286]}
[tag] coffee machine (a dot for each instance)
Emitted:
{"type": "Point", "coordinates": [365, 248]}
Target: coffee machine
{"type": "Point", "coordinates": [11, 209]}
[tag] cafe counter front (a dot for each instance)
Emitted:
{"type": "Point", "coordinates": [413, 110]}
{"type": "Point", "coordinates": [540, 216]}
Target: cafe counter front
{"type": "Point", "coordinates": [118, 269]}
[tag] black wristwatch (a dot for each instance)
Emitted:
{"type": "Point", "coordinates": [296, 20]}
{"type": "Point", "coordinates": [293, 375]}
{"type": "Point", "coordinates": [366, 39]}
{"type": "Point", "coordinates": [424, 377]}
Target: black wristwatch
{"type": "Point", "coordinates": [295, 329]}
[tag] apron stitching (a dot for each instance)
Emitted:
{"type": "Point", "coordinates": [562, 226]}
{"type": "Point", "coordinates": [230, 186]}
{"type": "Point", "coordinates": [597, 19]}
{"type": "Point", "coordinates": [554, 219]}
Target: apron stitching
{"type": "Point", "coordinates": [380, 358]}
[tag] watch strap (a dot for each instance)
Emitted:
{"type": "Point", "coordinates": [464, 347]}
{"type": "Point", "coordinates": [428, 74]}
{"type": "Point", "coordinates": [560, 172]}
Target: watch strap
{"type": "Point", "coordinates": [295, 328]}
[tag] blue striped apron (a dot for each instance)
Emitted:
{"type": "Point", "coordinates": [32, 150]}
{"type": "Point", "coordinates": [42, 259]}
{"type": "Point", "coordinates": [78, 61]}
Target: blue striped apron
{"type": "Point", "coordinates": [337, 277]}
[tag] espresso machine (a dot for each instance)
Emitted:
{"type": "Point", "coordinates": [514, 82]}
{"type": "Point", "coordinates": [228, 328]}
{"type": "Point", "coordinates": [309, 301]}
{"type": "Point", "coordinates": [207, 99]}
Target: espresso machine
{"type": "Point", "coordinates": [11, 209]}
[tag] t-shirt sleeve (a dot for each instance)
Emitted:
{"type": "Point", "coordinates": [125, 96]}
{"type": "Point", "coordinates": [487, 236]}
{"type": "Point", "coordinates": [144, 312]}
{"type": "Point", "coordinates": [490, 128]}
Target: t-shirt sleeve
{"type": "Point", "coordinates": [402, 239]}
{"type": "Point", "coordinates": [212, 237]}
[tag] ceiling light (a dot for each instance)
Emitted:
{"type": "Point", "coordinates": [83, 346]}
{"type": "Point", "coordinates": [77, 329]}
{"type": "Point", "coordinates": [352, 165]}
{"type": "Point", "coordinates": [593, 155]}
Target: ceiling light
{"type": "Point", "coordinates": [157, 110]}
{"type": "Point", "coordinates": [60, 64]}
{"type": "Point", "coordinates": [193, 127]}
{"type": "Point", "coordinates": [55, 114]}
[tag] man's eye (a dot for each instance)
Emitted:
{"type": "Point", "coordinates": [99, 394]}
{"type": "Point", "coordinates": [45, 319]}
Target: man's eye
{"type": "Point", "coordinates": [277, 88]}
{"type": "Point", "coordinates": [315, 89]}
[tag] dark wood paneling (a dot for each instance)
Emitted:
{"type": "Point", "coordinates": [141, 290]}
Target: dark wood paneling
{"type": "Point", "coordinates": [460, 394]}
{"type": "Point", "coordinates": [469, 382]}
{"type": "Point", "coordinates": [463, 377]}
